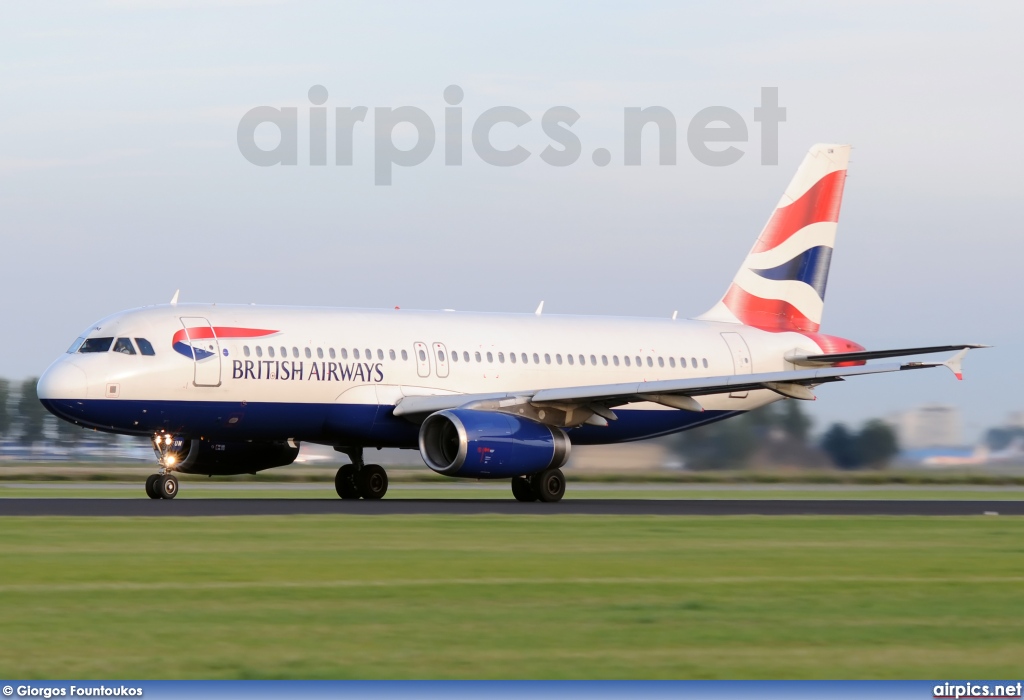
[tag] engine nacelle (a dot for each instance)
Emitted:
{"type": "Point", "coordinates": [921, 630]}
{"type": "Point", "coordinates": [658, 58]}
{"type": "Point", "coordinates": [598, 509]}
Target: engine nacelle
{"type": "Point", "coordinates": [489, 445]}
{"type": "Point", "coordinates": [226, 458]}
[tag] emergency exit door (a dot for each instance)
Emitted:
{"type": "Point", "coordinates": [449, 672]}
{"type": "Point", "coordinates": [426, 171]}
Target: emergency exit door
{"type": "Point", "coordinates": [741, 362]}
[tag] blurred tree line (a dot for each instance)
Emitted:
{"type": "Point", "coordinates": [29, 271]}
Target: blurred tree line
{"type": "Point", "coordinates": [780, 435]}
{"type": "Point", "coordinates": [24, 419]}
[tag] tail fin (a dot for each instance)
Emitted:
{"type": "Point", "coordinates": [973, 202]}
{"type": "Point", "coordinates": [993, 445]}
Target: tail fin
{"type": "Point", "coordinates": [781, 284]}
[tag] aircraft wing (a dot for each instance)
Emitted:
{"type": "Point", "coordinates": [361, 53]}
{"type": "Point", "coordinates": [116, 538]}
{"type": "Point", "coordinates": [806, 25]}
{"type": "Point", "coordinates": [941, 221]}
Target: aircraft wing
{"type": "Point", "coordinates": [677, 393]}
{"type": "Point", "coordinates": [862, 355]}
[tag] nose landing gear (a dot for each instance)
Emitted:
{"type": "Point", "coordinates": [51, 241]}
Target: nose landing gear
{"type": "Point", "coordinates": [358, 480]}
{"type": "Point", "coordinates": [164, 485]}
{"type": "Point", "coordinates": [161, 486]}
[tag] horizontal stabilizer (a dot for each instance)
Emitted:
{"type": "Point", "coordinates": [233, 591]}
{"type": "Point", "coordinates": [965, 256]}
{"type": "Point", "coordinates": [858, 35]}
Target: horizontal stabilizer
{"type": "Point", "coordinates": [863, 355]}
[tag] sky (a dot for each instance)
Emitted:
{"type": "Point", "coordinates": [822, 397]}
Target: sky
{"type": "Point", "coordinates": [121, 178]}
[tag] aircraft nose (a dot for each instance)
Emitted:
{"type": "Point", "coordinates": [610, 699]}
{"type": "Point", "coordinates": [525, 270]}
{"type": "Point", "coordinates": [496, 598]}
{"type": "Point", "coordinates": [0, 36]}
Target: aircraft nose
{"type": "Point", "coordinates": [62, 380]}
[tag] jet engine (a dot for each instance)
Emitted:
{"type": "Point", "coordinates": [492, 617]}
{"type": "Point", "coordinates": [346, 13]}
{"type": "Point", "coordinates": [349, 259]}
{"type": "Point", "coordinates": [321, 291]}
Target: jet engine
{"type": "Point", "coordinates": [490, 445]}
{"type": "Point", "coordinates": [199, 456]}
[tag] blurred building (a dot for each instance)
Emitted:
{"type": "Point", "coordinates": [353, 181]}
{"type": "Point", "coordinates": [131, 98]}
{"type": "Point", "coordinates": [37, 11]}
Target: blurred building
{"type": "Point", "coordinates": [929, 426]}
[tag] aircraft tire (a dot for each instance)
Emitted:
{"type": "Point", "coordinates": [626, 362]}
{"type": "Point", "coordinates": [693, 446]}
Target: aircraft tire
{"type": "Point", "coordinates": [549, 485]}
{"type": "Point", "coordinates": [373, 482]}
{"type": "Point", "coordinates": [523, 490]}
{"type": "Point", "coordinates": [345, 482]}
{"type": "Point", "coordinates": [151, 486]}
{"type": "Point", "coordinates": [167, 486]}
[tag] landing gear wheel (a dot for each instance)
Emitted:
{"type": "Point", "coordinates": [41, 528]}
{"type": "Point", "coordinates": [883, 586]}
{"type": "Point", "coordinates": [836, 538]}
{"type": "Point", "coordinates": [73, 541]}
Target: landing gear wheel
{"type": "Point", "coordinates": [523, 490]}
{"type": "Point", "coordinates": [151, 486]}
{"type": "Point", "coordinates": [549, 485]}
{"type": "Point", "coordinates": [167, 486]}
{"type": "Point", "coordinates": [373, 482]}
{"type": "Point", "coordinates": [345, 482]}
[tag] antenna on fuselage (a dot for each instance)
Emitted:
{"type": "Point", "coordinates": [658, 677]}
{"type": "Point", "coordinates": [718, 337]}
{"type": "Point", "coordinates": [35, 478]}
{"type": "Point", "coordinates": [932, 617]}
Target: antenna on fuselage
{"type": "Point", "coordinates": [675, 315]}
{"type": "Point", "coordinates": [540, 309]}
{"type": "Point", "coordinates": [174, 299]}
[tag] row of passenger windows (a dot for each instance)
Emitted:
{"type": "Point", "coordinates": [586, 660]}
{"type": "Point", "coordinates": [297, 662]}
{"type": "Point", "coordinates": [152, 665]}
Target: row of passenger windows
{"type": "Point", "coordinates": [282, 352]}
{"type": "Point", "coordinates": [121, 345]}
{"type": "Point", "coordinates": [523, 358]}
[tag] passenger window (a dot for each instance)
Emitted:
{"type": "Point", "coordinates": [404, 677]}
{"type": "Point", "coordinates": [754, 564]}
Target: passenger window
{"type": "Point", "coordinates": [344, 353]}
{"type": "Point", "coordinates": [124, 346]}
{"type": "Point", "coordinates": [284, 351]}
{"type": "Point", "coordinates": [245, 350]}
{"type": "Point", "coordinates": [490, 357]}
{"type": "Point", "coordinates": [320, 353]}
{"type": "Point", "coordinates": [639, 362]}
{"type": "Point", "coordinates": [570, 359]}
{"type": "Point", "coordinates": [465, 356]}
{"type": "Point", "coordinates": [330, 351]}
{"type": "Point", "coordinates": [259, 351]}
{"type": "Point", "coordinates": [308, 353]}
{"type": "Point", "coordinates": [536, 359]}
{"type": "Point", "coordinates": [455, 355]}
{"type": "Point", "coordinates": [440, 356]}
{"type": "Point", "coordinates": [671, 362]}
{"type": "Point", "coordinates": [693, 362]}
{"type": "Point", "coordinates": [95, 345]}
{"type": "Point", "coordinates": [391, 354]}
{"type": "Point", "coordinates": [355, 354]}
{"type": "Point", "coordinates": [369, 354]}
{"type": "Point", "coordinates": [423, 356]}
{"type": "Point", "coordinates": [478, 356]}
{"type": "Point", "coordinates": [615, 360]}
{"type": "Point", "coordinates": [626, 360]}
{"type": "Point", "coordinates": [682, 362]}
{"type": "Point", "coordinates": [145, 347]}
{"type": "Point", "coordinates": [705, 363]}
{"type": "Point", "coordinates": [512, 357]}
{"type": "Point", "coordinates": [525, 358]}
{"type": "Point", "coordinates": [270, 351]}
{"type": "Point", "coordinates": [604, 360]}
{"type": "Point", "coordinates": [380, 354]}
{"type": "Point", "coordinates": [547, 359]}
{"type": "Point", "coordinates": [558, 358]}
{"type": "Point", "coordinates": [405, 355]}
{"type": "Point", "coordinates": [661, 362]}
{"type": "Point", "coordinates": [593, 360]}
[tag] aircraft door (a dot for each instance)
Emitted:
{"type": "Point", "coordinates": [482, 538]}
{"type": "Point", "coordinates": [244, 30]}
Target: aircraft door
{"type": "Point", "coordinates": [422, 359]}
{"type": "Point", "coordinates": [205, 350]}
{"type": "Point", "coordinates": [441, 360]}
{"type": "Point", "coordinates": [741, 362]}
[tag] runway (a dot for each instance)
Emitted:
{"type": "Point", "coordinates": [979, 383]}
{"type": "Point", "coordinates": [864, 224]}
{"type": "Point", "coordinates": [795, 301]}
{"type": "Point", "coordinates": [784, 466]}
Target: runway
{"type": "Point", "coordinates": [141, 507]}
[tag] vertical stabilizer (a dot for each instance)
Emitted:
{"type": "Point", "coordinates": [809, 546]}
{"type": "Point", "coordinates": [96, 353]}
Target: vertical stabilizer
{"type": "Point", "coordinates": [781, 284]}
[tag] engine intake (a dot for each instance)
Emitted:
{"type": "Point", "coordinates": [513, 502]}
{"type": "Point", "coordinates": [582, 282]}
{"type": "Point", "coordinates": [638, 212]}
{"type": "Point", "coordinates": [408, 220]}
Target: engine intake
{"type": "Point", "coordinates": [490, 445]}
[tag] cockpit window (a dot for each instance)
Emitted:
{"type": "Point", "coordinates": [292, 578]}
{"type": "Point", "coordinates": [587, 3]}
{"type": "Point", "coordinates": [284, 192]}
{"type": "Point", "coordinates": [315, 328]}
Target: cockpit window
{"type": "Point", "coordinates": [145, 347]}
{"type": "Point", "coordinates": [124, 346]}
{"type": "Point", "coordinates": [95, 345]}
{"type": "Point", "coordinates": [75, 345]}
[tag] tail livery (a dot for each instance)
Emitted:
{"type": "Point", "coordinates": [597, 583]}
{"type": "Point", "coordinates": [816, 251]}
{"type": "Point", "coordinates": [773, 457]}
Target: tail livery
{"type": "Point", "coordinates": [781, 284]}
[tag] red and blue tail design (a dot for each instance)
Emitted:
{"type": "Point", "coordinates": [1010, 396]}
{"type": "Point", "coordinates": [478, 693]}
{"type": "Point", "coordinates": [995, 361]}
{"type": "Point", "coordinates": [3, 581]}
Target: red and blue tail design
{"type": "Point", "coordinates": [781, 284]}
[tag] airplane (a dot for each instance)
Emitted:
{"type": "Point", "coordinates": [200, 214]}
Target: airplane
{"type": "Point", "coordinates": [234, 389]}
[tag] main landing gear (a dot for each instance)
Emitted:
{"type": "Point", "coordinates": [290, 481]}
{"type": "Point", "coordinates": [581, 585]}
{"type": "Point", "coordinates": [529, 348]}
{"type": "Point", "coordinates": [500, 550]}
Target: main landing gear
{"type": "Point", "coordinates": [161, 486]}
{"type": "Point", "coordinates": [547, 486]}
{"type": "Point", "coordinates": [358, 480]}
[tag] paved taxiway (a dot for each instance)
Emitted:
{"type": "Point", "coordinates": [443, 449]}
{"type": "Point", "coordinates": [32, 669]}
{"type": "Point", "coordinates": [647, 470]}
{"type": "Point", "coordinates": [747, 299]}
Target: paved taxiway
{"type": "Point", "coordinates": [125, 507]}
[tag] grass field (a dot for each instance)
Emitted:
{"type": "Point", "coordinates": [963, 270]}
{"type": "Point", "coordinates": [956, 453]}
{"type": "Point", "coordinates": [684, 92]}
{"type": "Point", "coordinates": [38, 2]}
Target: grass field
{"type": "Point", "coordinates": [511, 597]}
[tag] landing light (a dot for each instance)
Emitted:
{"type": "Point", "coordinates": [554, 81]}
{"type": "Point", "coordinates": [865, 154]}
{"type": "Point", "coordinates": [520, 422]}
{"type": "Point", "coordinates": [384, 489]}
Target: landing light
{"type": "Point", "coordinates": [170, 460]}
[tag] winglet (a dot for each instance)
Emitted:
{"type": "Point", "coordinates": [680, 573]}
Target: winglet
{"type": "Point", "coordinates": [540, 309]}
{"type": "Point", "coordinates": [174, 299]}
{"type": "Point", "coordinates": [955, 363]}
